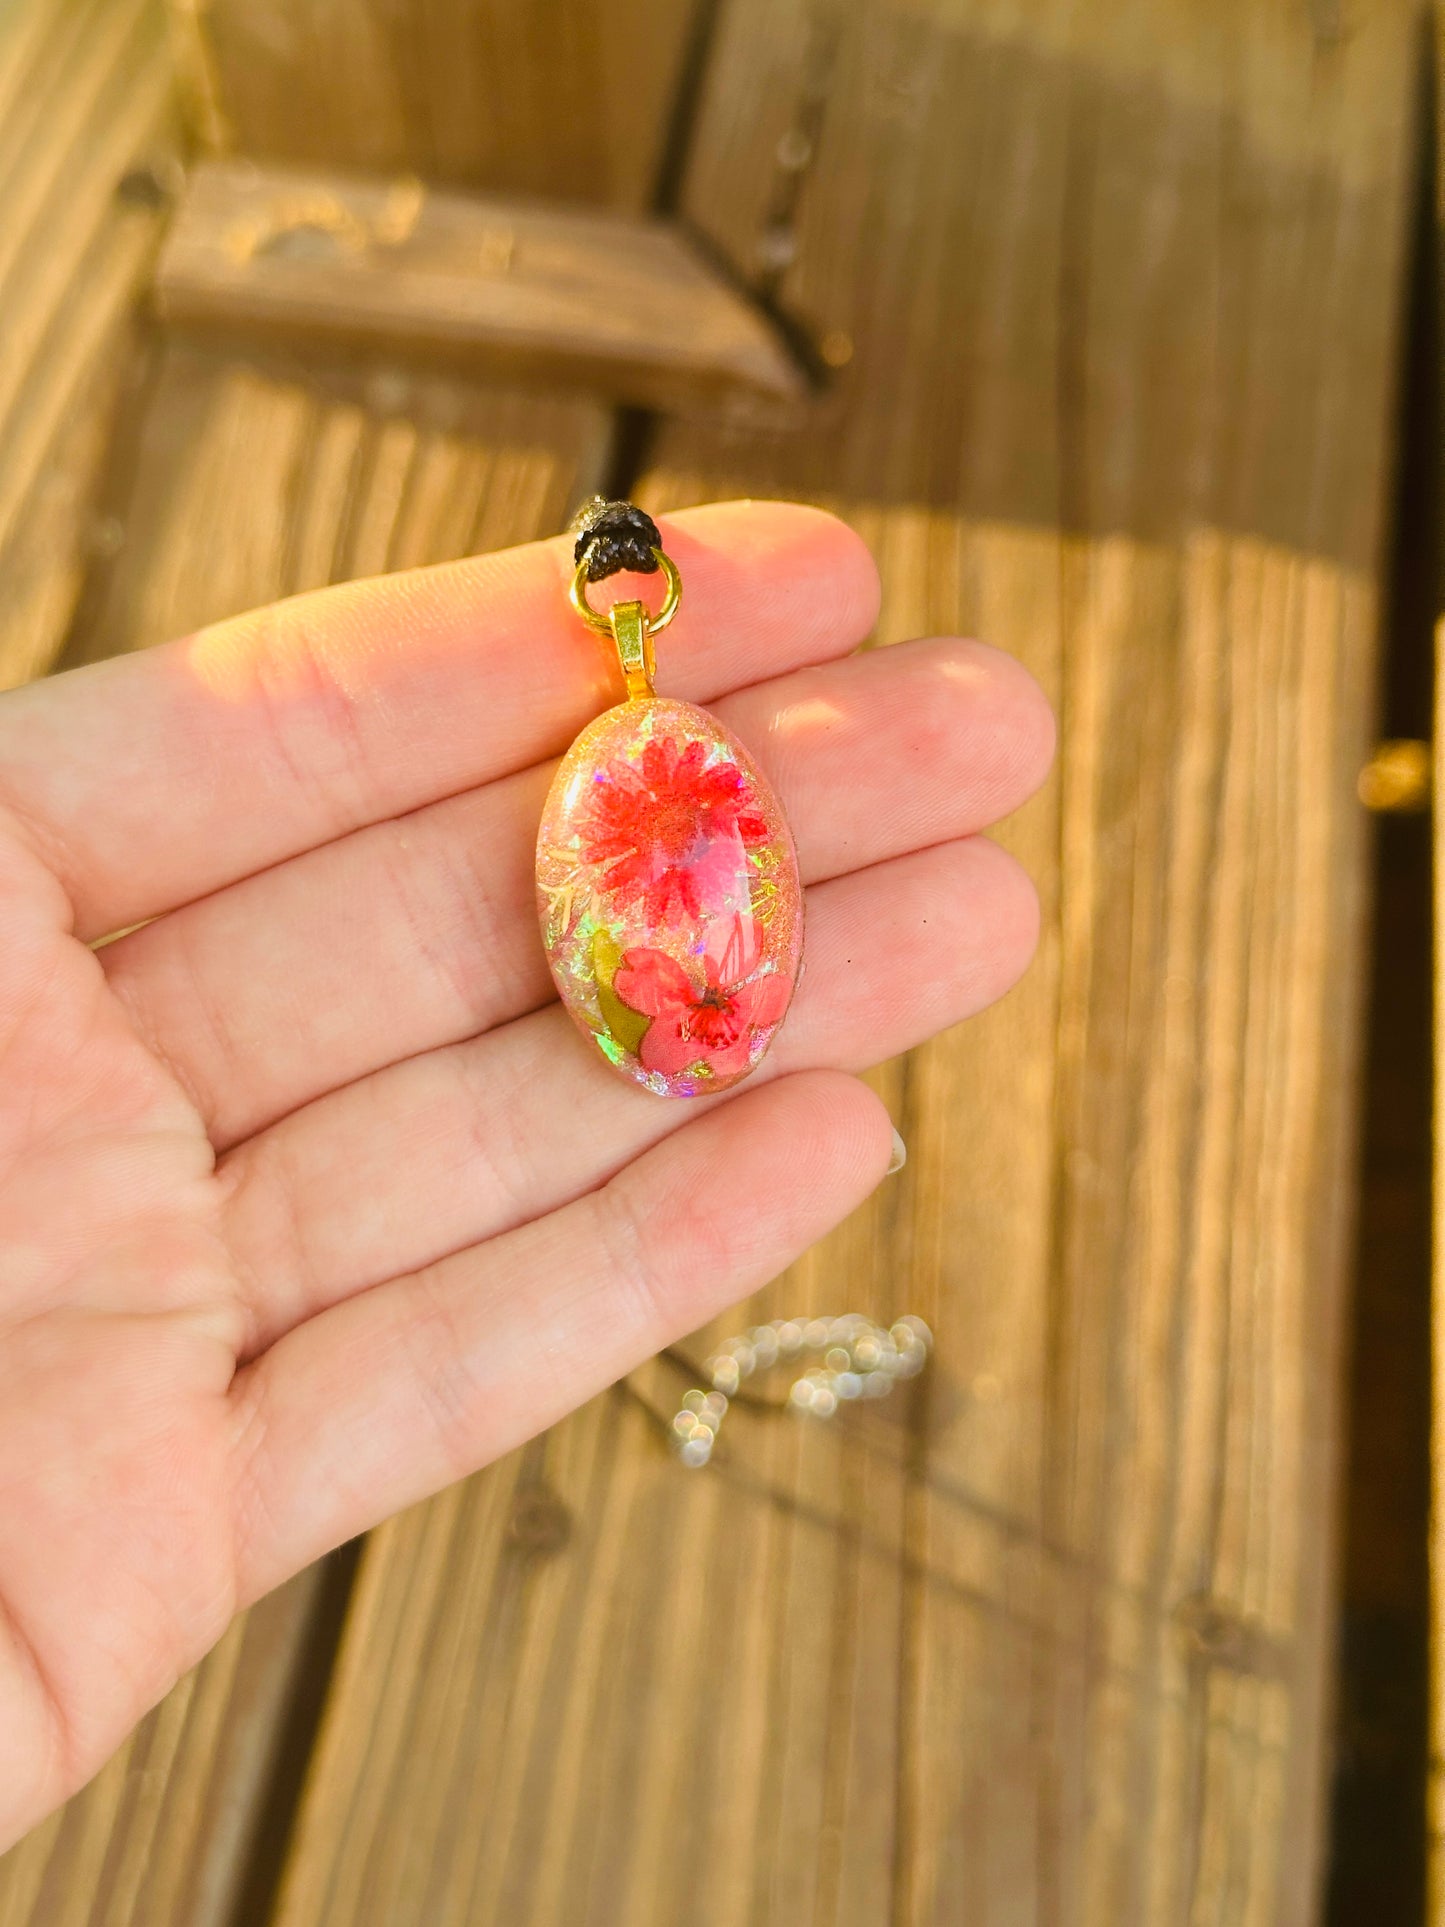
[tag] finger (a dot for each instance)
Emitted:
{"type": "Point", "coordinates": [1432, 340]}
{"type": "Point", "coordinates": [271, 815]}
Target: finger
{"type": "Point", "coordinates": [415, 1384]}
{"type": "Point", "coordinates": [457, 1146]}
{"type": "Point", "coordinates": [154, 778]}
{"type": "Point", "coordinates": [409, 935]}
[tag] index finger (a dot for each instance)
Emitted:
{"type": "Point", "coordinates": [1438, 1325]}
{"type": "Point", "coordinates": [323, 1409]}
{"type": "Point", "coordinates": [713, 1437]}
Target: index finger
{"type": "Point", "coordinates": [156, 778]}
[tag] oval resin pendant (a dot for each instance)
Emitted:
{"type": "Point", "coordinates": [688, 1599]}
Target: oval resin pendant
{"type": "Point", "coordinates": [668, 891]}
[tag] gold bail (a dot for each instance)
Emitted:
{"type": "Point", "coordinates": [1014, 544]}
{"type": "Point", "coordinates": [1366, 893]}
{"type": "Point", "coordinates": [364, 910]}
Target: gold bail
{"type": "Point", "coordinates": [631, 625]}
{"type": "Point", "coordinates": [632, 632]}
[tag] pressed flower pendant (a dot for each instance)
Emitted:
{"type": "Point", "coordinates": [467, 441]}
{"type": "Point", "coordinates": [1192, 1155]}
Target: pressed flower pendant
{"type": "Point", "coordinates": [667, 884]}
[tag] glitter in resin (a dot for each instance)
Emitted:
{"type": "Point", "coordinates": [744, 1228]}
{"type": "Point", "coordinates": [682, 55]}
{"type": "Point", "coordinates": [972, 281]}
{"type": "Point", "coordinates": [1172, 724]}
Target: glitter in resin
{"type": "Point", "coordinates": [669, 897]}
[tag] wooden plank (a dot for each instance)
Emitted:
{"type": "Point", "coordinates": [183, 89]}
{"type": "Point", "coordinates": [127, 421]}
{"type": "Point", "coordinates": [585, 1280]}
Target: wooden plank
{"type": "Point", "coordinates": [227, 482]}
{"type": "Point", "coordinates": [241, 482]}
{"type": "Point", "coordinates": [1115, 297]}
{"type": "Point", "coordinates": [505, 288]}
{"type": "Point", "coordinates": [85, 110]}
{"type": "Point", "coordinates": [562, 98]}
{"type": "Point", "coordinates": [254, 479]}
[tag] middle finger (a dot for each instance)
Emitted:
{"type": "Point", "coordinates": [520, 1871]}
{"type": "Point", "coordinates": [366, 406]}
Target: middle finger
{"type": "Point", "coordinates": [421, 932]}
{"type": "Point", "coordinates": [461, 1144]}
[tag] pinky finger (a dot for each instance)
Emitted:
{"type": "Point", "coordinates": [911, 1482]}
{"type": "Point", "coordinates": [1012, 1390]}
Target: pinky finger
{"type": "Point", "coordinates": [393, 1394]}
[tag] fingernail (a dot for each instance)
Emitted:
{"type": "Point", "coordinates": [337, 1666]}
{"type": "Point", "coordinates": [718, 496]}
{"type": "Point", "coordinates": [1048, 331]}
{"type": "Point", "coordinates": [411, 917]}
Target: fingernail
{"type": "Point", "coordinates": [900, 1154]}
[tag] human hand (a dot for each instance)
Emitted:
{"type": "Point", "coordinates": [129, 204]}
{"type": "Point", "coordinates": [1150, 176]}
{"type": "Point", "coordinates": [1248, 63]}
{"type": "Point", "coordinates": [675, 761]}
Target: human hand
{"type": "Point", "coordinates": [311, 1198]}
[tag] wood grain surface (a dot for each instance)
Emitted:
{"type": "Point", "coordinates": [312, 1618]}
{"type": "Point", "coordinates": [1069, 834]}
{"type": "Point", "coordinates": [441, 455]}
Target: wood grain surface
{"type": "Point", "coordinates": [510, 288]}
{"type": "Point", "coordinates": [85, 113]}
{"type": "Point", "coordinates": [1111, 298]}
{"type": "Point", "coordinates": [1115, 303]}
{"type": "Point", "coordinates": [237, 483]}
{"type": "Point", "coordinates": [563, 98]}
{"type": "Point", "coordinates": [247, 479]}
{"type": "Point", "coordinates": [148, 486]}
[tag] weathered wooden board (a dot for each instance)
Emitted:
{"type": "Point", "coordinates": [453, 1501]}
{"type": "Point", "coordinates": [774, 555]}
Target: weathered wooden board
{"type": "Point", "coordinates": [146, 488]}
{"type": "Point", "coordinates": [248, 480]}
{"type": "Point", "coordinates": [508, 288]}
{"type": "Point", "coordinates": [85, 109]}
{"type": "Point", "coordinates": [1116, 299]}
{"type": "Point", "coordinates": [564, 98]}
{"type": "Point", "coordinates": [229, 483]}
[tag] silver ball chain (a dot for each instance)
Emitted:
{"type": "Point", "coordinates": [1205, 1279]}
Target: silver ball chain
{"type": "Point", "coordinates": [860, 1359]}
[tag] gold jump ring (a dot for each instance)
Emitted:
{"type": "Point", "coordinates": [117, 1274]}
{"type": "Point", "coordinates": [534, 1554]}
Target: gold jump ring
{"type": "Point", "coordinates": [603, 623]}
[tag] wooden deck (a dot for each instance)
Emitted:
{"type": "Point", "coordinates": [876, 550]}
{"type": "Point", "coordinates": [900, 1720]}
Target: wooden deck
{"type": "Point", "coordinates": [1110, 302]}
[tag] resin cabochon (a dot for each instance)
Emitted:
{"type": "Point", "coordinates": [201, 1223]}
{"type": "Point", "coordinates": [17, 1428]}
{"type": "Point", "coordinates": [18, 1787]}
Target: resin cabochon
{"type": "Point", "coordinates": [669, 897]}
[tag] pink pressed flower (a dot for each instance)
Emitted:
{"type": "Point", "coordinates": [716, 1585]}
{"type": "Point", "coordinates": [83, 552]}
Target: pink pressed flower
{"type": "Point", "coordinates": [671, 827]}
{"type": "Point", "coordinates": [711, 1025]}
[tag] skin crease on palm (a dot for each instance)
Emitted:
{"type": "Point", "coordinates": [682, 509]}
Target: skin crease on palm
{"type": "Point", "coordinates": [311, 1198]}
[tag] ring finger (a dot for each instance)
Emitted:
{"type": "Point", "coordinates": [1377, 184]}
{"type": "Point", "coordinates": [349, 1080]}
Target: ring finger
{"type": "Point", "coordinates": [420, 932]}
{"type": "Point", "coordinates": [458, 1145]}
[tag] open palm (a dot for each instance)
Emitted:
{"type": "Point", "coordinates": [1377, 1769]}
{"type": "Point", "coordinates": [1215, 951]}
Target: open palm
{"type": "Point", "coordinates": [311, 1199]}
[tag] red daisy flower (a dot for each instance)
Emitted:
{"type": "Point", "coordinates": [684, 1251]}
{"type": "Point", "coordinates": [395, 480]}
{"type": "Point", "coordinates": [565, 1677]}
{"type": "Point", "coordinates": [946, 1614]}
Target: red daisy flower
{"type": "Point", "coordinates": [712, 1025]}
{"type": "Point", "coordinates": [671, 826]}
